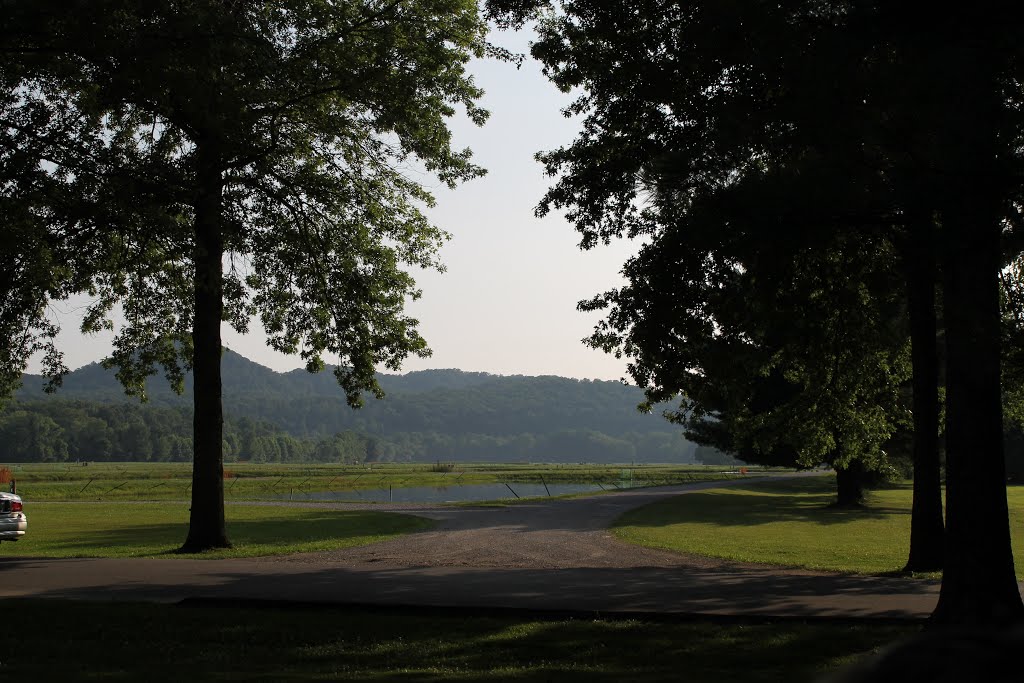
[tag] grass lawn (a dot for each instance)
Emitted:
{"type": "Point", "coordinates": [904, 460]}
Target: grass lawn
{"type": "Point", "coordinates": [67, 641]}
{"type": "Point", "coordinates": [788, 523]}
{"type": "Point", "coordinates": [157, 529]}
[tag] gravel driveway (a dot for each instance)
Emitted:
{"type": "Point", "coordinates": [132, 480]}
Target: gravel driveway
{"type": "Point", "coordinates": [560, 533]}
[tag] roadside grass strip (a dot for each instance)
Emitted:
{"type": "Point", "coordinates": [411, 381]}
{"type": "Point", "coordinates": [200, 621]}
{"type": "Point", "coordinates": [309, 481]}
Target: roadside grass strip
{"type": "Point", "coordinates": [790, 523]}
{"type": "Point", "coordinates": [69, 641]}
{"type": "Point", "coordinates": [156, 529]}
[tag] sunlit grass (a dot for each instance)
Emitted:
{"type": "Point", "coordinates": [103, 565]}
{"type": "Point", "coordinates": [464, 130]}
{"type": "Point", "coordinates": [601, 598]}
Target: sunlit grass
{"type": "Point", "coordinates": [157, 529]}
{"type": "Point", "coordinates": [790, 523]}
{"type": "Point", "coordinates": [62, 641]}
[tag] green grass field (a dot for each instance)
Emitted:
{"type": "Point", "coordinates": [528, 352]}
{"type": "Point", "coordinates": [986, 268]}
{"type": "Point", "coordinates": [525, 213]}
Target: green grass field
{"type": "Point", "coordinates": [245, 481]}
{"type": "Point", "coordinates": [157, 529]}
{"type": "Point", "coordinates": [66, 641]}
{"type": "Point", "coordinates": [789, 523]}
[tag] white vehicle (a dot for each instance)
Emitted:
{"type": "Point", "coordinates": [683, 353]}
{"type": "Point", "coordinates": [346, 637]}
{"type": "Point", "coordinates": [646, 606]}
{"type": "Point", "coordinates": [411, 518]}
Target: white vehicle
{"type": "Point", "coordinates": [13, 522]}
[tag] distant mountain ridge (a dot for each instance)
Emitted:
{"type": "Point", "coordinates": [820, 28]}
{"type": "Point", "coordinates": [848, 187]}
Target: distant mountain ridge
{"type": "Point", "coordinates": [241, 376]}
{"type": "Point", "coordinates": [438, 407]}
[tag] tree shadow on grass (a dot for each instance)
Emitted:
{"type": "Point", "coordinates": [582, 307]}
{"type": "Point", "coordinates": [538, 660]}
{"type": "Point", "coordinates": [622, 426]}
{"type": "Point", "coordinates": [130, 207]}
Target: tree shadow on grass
{"type": "Point", "coordinates": [218, 643]}
{"type": "Point", "coordinates": [794, 500]}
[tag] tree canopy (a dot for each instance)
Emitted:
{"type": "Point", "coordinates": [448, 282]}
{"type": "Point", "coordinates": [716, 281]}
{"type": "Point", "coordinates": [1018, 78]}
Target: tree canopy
{"type": "Point", "coordinates": [227, 159]}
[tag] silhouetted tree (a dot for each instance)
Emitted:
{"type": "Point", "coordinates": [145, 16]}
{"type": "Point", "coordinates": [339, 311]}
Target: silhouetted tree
{"type": "Point", "coordinates": [884, 115]}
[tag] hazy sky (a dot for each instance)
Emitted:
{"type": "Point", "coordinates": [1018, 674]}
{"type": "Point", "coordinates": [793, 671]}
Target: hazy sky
{"type": "Point", "coordinates": [507, 302]}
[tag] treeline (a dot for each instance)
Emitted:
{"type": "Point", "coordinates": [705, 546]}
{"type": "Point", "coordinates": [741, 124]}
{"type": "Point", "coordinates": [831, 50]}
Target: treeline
{"type": "Point", "coordinates": [562, 446]}
{"type": "Point", "coordinates": [60, 431]}
{"type": "Point", "coordinates": [505, 407]}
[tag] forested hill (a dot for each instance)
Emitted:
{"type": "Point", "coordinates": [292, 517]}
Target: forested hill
{"type": "Point", "coordinates": [426, 414]}
{"type": "Point", "coordinates": [447, 401]}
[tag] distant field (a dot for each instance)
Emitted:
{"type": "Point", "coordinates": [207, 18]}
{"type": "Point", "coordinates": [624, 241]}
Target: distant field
{"type": "Point", "coordinates": [789, 523]}
{"type": "Point", "coordinates": [243, 481]}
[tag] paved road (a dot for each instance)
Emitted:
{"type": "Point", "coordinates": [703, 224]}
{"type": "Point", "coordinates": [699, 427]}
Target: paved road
{"type": "Point", "coordinates": [548, 555]}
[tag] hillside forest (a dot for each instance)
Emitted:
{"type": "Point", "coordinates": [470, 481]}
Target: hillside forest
{"type": "Point", "coordinates": [296, 416]}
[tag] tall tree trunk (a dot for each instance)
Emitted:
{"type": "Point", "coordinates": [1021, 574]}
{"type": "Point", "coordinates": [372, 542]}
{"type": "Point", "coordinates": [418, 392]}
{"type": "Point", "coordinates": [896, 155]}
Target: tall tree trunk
{"type": "Point", "coordinates": [926, 527]}
{"type": "Point", "coordinates": [206, 523]}
{"type": "Point", "coordinates": [978, 583]}
{"type": "Point", "coordinates": [850, 484]}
